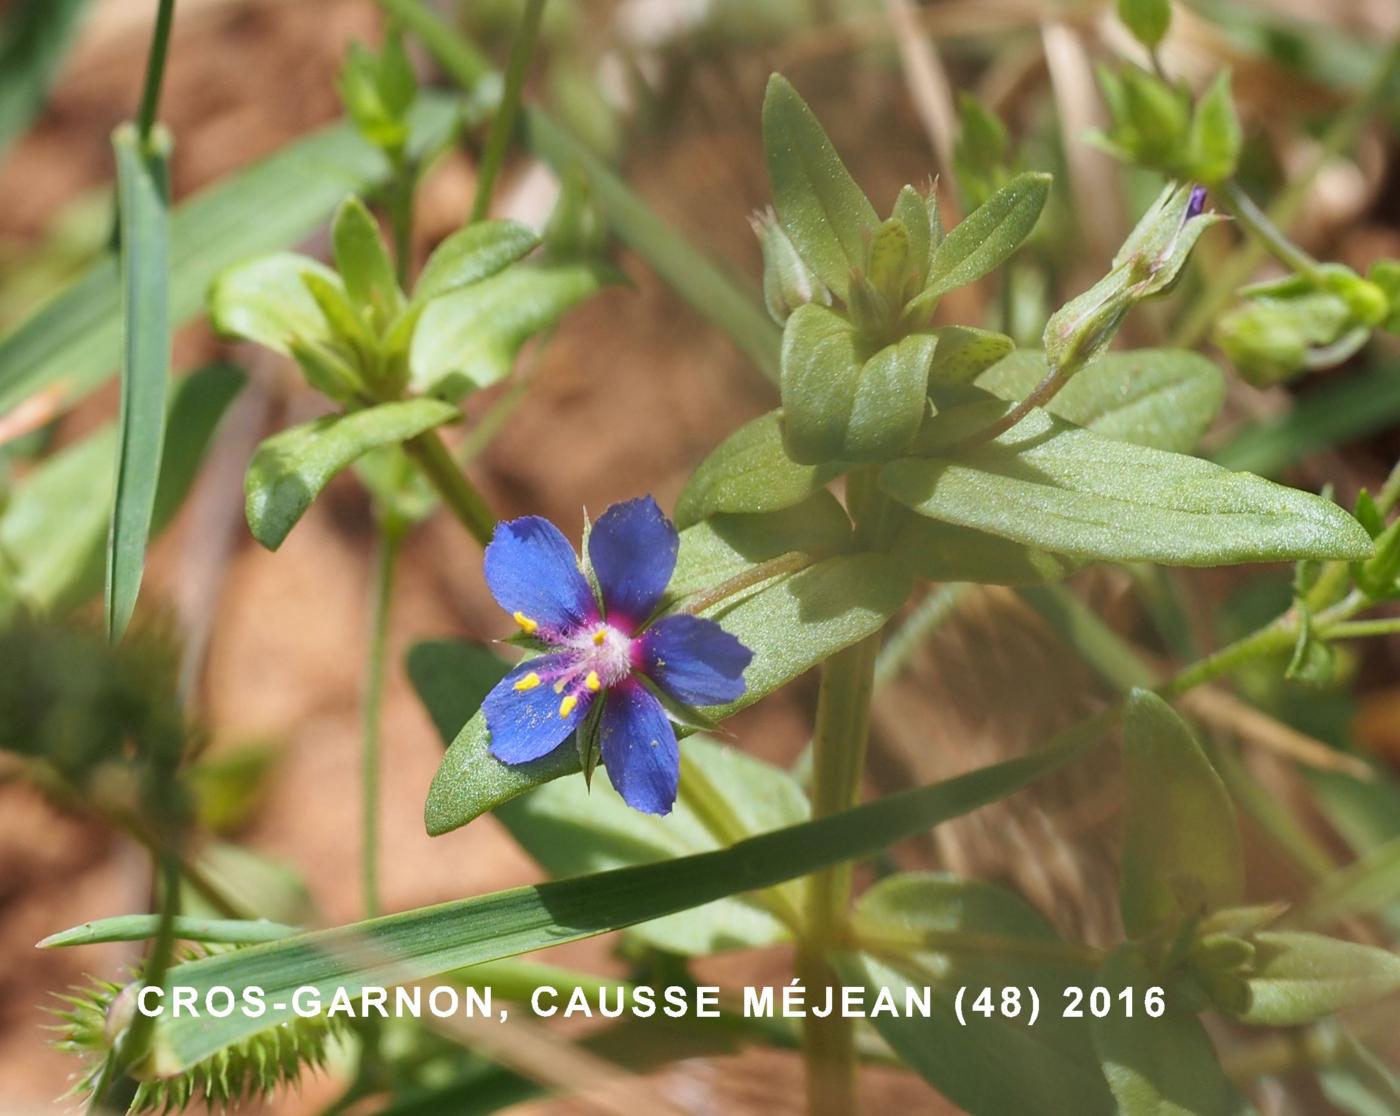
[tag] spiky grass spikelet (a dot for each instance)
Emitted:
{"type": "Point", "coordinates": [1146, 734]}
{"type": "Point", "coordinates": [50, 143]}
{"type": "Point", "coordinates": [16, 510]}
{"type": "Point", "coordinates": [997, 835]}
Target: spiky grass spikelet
{"type": "Point", "coordinates": [92, 1016]}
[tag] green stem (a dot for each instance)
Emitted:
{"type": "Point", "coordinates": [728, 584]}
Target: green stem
{"type": "Point", "coordinates": [789, 563]}
{"type": "Point", "coordinates": [1256, 222]}
{"type": "Point", "coordinates": [457, 492]}
{"type": "Point", "coordinates": [386, 555]}
{"type": "Point", "coordinates": [135, 1043]}
{"type": "Point", "coordinates": [494, 157]}
{"type": "Point", "coordinates": [155, 70]}
{"type": "Point", "coordinates": [1359, 629]}
{"type": "Point", "coordinates": [838, 762]}
{"type": "Point", "coordinates": [400, 207]}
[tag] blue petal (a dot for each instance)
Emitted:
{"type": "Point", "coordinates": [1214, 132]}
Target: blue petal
{"type": "Point", "coordinates": [532, 569]}
{"type": "Point", "coordinates": [694, 660]}
{"type": "Point", "coordinates": [639, 749]}
{"type": "Point", "coordinates": [633, 551]}
{"type": "Point", "coordinates": [525, 724]}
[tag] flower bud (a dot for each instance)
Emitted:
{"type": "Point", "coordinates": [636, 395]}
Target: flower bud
{"type": "Point", "coordinates": [787, 280]}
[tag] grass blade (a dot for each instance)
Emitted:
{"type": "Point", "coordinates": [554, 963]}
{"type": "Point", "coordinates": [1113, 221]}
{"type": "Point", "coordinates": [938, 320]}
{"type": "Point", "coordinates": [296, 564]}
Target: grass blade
{"type": "Point", "coordinates": [144, 223]}
{"type": "Point", "coordinates": [69, 342]}
{"type": "Point", "coordinates": [434, 940]}
{"type": "Point", "coordinates": [142, 927]}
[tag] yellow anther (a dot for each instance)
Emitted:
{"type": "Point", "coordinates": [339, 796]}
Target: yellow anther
{"type": "Point", "coordinates": [529, 682]}
{"type": "Point", "coordinates": [593, 682]}
{"type": "Point", "coordinates": [559, 686]}
{"type": "Point", "coordinates": [567, 705]}
{"type": "Point", "coordinates": [527, 625]}
{"type": "Point", "coordinates": [598, 637]}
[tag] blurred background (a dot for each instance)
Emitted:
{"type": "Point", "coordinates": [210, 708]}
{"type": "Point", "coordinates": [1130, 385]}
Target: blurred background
{"type": "Point", "coordinates": [630, 392]}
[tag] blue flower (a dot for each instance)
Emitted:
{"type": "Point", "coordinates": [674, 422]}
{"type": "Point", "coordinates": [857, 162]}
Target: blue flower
{"type": "Point", "coordinates": [602, 650]}
{"type": "Point", "coordinates": [1196, 203]}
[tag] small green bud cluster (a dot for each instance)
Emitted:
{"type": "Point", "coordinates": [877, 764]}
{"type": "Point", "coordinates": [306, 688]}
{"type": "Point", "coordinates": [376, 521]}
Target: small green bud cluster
{"type": "Point", "coordinates": [1308, 320]}
{"type": "Point", "coordinates": [378, 90]}
{"type": "Point", "coordinates": [1154, 125]}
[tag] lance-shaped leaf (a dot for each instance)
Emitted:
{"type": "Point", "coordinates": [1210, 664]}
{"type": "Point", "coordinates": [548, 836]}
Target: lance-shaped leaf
{"type": "Point", "coordinates": [790, 625]}
{"type": "Point", "coordinates": [825, 214]}
{"type": "Point", "coordinates": [1163, 398]}
{"type": "Point", "coordinates": [72, 340]}
{"type": "Point", "coordinates": [841, 402]}
{"type": "Point", "coordinates": [1048, 484]}
{"type": "Point", "coordinates": [1157, 1067]}
{"type": "Point", "coordinates": [1181, 851]}
{"type": "Point", "coordinates": [290, 469]}
{"type": "Point", "coordinates": [269, 300]}
{"type": "Point", "coordinates": [987, 236]}
{"type": "Point", "coordinates": [964, 353]}
{"type": "Point", "coordinates": [937, 551]}
{"type": "Point", "coordinates": [434, 940]}
{"type": "Point", "coordinates": [1298, 977]}
{"type": "Point", "coordinates": [472, 254]}
{"type": "Point", "coordinates": [145, 274]}
{"type": "Point", "coordinates": [572, 830]}
{"type": "Point", "coordinates": [362, 259]}
{"type": "Point", "coordinates": [469, 337]}
{"type": "Point", "coordinates": [750, 472]}
{"type": "Point", "coordinates": [989, 1065]}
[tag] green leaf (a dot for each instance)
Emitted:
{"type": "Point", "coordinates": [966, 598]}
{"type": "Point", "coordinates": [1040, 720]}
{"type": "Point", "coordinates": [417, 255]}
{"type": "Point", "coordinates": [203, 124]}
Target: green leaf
{"type": "Point", "coordinates": [1216, 137]}
{"type": "Point", "coordinates": [937, 551]}
{"type": "Point", "coordinates": [141, 927]}
{"type": "Point", "coordinates": [1062, 488]}
{"type": "Point", "coordinates": [751, 472]}
{"type": "Point", "coordinates": [452, 678]}
{"type": "Point", "coordinates": [726, 545]}
{"type": "Point", "coordinates": [911, 208]}
{"type": "Point", "coordinates": [71, 341]}
{"type": "Point", "coordinates": [145, 266]}
{"type": "Point", "coordinates": [37, 35]}
{"type": "Point", "coordinates": [790, 626]}
{"type": "Point", "coordinates": [268, 300]}
{"type": "Point", "coordinates": [572, 831]}
{"type": "Point", "coordinates": [434, 940]}
{"type": "Point", "coordinates": [964, 353]}
{"type": "Point", "coordinates": [1148, 20]}
{"type": "Point", "coordinates": [984, 239]}
{"type": "Point", "coordinates": [470, 337]}
{"type": "Point", "coordinates": [1165, 1066]}
{"type": "Point", "coordinates": [1181, 851]}
{"type": "Point", "coordinates": [1163, 398]}
{"type": "Point", "coordinates": [1299, 977]}
{"type": "Point", "coordinates": [363, 261]}
{"type": "Point", "coordinates": [59, 559]}
{"type": "Point", "coordinates": [840, 402]}
{"type": "Point", "coordinates": [472, 254]}
{"type": "Point", "coordinates": [825, 214]}
{"type": "Point", "coordinates": [290, 469]}
{"type": "Point", "coordinates": [991, 1065]}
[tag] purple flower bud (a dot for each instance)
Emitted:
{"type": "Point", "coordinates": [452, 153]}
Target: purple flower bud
{"type": "Point", "coordinates": [1197, 203]}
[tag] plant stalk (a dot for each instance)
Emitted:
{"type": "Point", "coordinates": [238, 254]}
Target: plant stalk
{"type": "Point", "coordinates": [457, 492]}
{"type": "Point", "coordinates": [155, 70]}
{"type": "Point", "coordinates": [385, 560]}
{"type": "Point", "coordinates": [503, 126]}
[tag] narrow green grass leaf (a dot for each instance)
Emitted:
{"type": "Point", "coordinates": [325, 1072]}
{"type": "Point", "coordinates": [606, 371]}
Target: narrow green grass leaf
{"type": "Point", "coordinates": [289, 470]}
{"type": "Point", "coordinates": [141, 927]}
{"type": "Point", "coordinates": [67, 345]}
{"type": "Point", "coordinates": [142, 182]}
{"type": "Point", "coordinates": [37, 35]}
{"type": "Point", "coordinates": [433, 940]}
{"type": "Point", "coordinates": [1048, 484]}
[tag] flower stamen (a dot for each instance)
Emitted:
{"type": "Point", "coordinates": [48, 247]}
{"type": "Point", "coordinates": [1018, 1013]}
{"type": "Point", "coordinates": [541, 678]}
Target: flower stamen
{"type": "Point", "coordinates": [529, 682]}
{"type": "Point", "coordinates": [567, 705]}
{"type": "Point", "coordinates": [593, 682]}
{"type": "Point", "coordinates": [528, 626]}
